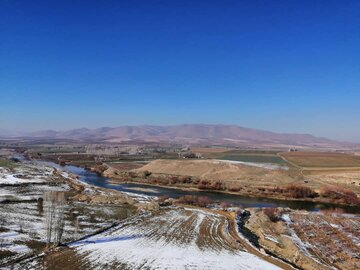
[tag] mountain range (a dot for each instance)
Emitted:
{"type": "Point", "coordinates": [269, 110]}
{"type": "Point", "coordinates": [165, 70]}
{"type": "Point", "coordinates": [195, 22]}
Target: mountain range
{"type": "Point", "coordinates": [200, 134]}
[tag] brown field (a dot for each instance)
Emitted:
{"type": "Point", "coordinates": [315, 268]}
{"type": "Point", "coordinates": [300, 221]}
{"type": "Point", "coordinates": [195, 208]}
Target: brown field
{"type": "Point", "coordinates": [311, 240]}
{"type": "Point", "coordinates": [209, 149]}
{"type": "Point", "coordinates": [322, 159]}
{"type": "Point", "coordinates": [221, 152]}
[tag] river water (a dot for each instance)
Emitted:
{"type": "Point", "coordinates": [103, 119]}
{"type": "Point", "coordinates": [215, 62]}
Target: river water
{"type": "Point", "coordinates": [100, 181]}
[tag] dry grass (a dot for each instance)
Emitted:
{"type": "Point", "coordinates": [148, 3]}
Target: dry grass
{"type": "Point", "coordinates": [340, 195]}
{"type": "Point", "coordinates": [126, 166]}
{"type": "Point", "coordinates": [205, 169]}
{"type": "Point", "coordinates": [204, 150]}
{"type": "Point", "coordinates": [322, 159]}
{"type": "Point", "coordinates": [332, 238]}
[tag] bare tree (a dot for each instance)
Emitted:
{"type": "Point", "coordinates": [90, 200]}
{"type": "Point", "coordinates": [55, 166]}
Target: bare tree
{"type": "Point", "coordinates": [54, 203]}
{"type": "Point", "coordinates": [77, 227]}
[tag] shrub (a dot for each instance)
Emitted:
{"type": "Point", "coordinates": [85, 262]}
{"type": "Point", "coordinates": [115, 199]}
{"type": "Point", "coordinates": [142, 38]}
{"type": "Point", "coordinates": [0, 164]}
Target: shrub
{"type": "Point", "coordinates": [329, 212]}
{"type": "Point", "coordinates": [185, 179]}
{"type": "Point", "coordinates": [146, 173]}
{"type": "Point", "coordinates": [218, 186]}
{"type": "Point", "coordinates": [163, 181]}
{"type": "Point", "coordinates": [162, 199]}
{"type": "Point", "coordinates": [276, 190]}
{"type": "Point", "coordinates": [234, 188]}
{"type": "Point", "coordinates": [204, 184]}
{"type": "Point", "coordinates": [153, 180]}
{"type": "Point", "coordinates": [187, 199]}
{"type": "Point", "coordinates": [225, 205]}
{"type": "Point", "coordinates": [173, 180]}
{"type": "Point", "coordinates": [272, 213]}
{"type": "Point", "coordinates": [201, 201]}
{"type": "Point", "coordinates": [340, 194]}
{"type": "Point", "coordinates": [296, 191]}
{"type": "Point", "coordinates": [195, 181]}
{"type": "Point", "coordinates": [133, 175]}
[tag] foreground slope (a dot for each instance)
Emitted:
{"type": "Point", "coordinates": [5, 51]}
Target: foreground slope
{"type": "Point", "coordinates": [176, 239]}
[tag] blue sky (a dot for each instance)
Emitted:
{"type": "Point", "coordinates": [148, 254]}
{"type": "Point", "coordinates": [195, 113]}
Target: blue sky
{"type": "Point", "coordinates": [285, 66]}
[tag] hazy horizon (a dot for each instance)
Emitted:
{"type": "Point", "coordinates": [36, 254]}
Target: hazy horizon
{"type": "Point", "coordinates": [25, 132]}
{"type": "Point", "coordinates": [287, 67]}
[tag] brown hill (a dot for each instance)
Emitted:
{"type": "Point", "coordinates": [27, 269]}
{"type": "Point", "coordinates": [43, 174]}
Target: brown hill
{"type": "Point", "coordinates": [194, 134]}
{"type": "Point", "coordinates": [217, 170]}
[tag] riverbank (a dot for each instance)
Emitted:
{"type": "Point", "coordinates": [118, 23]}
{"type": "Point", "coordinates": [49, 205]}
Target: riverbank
{"type": "Point", "coordinates": [265, 184]}
{"type": "Point", "coordinates": [322, 203]}
{"type": "Point", "coordinates": [253, 182]}
{"type": "Point", "coordinates": [142, 189]}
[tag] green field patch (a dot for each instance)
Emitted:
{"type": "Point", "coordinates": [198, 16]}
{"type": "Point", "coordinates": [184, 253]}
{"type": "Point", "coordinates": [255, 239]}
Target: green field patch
{"type": "Point", "coordinates": [5, 163]}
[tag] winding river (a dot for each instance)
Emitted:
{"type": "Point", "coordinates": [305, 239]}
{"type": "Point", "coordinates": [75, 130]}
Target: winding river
{"type": "Point", "coordinates": [237, 200]}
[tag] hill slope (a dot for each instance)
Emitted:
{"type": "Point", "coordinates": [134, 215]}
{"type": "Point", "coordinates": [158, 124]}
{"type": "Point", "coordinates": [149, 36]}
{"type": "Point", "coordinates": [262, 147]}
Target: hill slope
{"type": "Point", "coordinates": [190, 134]}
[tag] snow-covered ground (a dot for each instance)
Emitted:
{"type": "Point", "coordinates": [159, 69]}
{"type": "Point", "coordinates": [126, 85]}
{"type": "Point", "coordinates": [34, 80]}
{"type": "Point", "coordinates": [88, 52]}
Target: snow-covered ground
{"type": "Point", "coordinates": [24, 174]}
{"type": "Point", "coordinates": [177, 239]}
{"type": "Point", "coordinates": [22, 224]}
{"type": "Point", "coordinates": [12, 179]}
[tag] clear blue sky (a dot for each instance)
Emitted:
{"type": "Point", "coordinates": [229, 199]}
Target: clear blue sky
{"type": "Point", "coordinates": [286, 66]}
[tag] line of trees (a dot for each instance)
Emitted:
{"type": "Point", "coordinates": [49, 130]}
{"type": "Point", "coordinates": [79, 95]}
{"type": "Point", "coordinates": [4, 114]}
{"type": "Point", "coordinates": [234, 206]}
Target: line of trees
{"type": "Point", "coordinates": [55, 204]}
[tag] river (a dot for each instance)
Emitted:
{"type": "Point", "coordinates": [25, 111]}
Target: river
{"type": "Point", "coordinates": [236, 200]}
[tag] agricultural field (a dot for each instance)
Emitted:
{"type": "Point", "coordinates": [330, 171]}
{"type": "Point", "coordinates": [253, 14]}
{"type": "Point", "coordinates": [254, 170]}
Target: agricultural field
{"type": "Point", "coordinates": [240, 155]}
{"type": "Point", "coordinates": [173, 239]}
{"type": "Point", "coordinates": [309, 240]}
{"type": "Point", "coordinates": [325, 160]}
{"type": "Point", "coordinates": [254, 158]}
{"type": "Point", "coordinates": [338, 170]}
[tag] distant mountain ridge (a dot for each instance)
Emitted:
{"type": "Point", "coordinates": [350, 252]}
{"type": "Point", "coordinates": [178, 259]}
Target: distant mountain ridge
{"type": "Point", "coordinates": [187, 133]}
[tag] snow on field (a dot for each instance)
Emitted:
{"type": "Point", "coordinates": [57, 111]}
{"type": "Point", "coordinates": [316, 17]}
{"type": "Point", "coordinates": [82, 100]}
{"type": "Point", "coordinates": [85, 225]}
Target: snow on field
{"type": "Point", "coordinates": [271, 238]}
{"type": "Point", "coordinates": [28, 192]}
{"type": "Point", "coordinates": [19, 249]}
{"type": "Point", "coordinates": [140, 197]}
{"type": "Point", "coordinates": [270, 166]}
{"type": "Point", "coordinates": [286, 218]}
{"type": "Point", "coordinates": [24, 174]}
{"type": "Point", "coordinates": [177, 239]}
{"type": "Point", "coordinates": [8, 238]}
{"type": "Point", "coordinates": [12, 179]}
